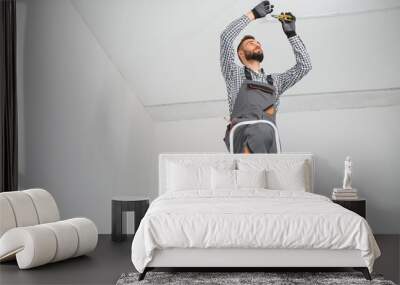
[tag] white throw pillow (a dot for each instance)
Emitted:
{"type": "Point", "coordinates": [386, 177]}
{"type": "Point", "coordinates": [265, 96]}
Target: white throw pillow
{"type": "Point", "coordinates": [282, 174]}
{"type": "Point", "coordinates": [223, 179]}
{"type": "Point", "coordinates": [251, 178]}
{"type": "Point", "coordinates": [287, 176]}
{"type": "Point", "coordinates": [182, 177]}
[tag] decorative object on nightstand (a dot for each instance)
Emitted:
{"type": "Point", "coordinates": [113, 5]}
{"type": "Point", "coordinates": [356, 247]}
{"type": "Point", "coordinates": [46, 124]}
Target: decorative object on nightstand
{"type": "Point", "coordinates": [358, 206]}
{"type": "Point", "coordinates": [347, 173]}
{"type": "Point", "coordinates": [346, 192]}
{"type": "Point", "coordinates": [121, 204]}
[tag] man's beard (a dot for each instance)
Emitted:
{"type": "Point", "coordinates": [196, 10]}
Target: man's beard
{"type": "Point", "coordinates": [258, 56]}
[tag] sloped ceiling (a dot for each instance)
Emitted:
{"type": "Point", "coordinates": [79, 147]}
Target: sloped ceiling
{"type": "Point", "coordinates": [168, 51]}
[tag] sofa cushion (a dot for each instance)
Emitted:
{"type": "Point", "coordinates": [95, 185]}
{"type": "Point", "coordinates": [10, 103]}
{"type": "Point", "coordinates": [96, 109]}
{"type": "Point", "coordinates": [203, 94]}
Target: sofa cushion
{"type": "Point", "coordinates": [27, 208]}
{"type": "Point", "coordinates": [45, 205]}
{"type": "Point", "coordinates": [7, 215]}
{"type": "Point", "coordinates": [40, 244]}
{"type": "Point", "coordinates": [23, 208]}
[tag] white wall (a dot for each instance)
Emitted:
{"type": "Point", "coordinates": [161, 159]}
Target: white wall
{"type": "Point", "coordinates": [86, 135]}
{"type": "Point", "coordinates": [370, 136]}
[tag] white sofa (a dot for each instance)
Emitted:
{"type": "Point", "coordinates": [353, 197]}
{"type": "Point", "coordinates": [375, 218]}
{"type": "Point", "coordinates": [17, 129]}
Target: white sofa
{"type": "Point", "coordinates": [31, 231]}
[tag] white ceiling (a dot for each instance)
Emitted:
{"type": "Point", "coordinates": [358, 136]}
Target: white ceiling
{"type": "Point", "coordinates": [168, 51]}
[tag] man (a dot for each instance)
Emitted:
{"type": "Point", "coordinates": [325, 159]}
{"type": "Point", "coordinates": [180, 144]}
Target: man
{"type": "Point", "coordinates": [257, 138]}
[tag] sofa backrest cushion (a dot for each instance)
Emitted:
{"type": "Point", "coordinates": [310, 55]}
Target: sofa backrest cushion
{"type": "Point", "coordinates": [27, 208]}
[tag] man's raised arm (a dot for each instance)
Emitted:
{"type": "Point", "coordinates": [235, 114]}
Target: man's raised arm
{"type": "Point", "coordinates": [228, 36]}
{"type": "Point", "coordinates": [287, 79]}
{"type": "Point", "coordinates": [227, 51]}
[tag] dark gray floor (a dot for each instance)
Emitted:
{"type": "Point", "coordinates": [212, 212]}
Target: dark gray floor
{"type": "Point", "coordinates": [110, 259]}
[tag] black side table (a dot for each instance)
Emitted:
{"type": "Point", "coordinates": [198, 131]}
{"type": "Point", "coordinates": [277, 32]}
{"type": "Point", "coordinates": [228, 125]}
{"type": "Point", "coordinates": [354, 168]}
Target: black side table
{"type": "Point", "coordinates": [358, 206]}
{"type": "Point", "coordinates": [122, 204]}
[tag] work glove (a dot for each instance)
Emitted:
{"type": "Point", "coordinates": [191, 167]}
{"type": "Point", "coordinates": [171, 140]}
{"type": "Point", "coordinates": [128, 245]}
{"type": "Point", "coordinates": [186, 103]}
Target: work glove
{"type": "Point", "coordinates": [262, 9]}
{"type": "Point", "coordinates": [289, 27]}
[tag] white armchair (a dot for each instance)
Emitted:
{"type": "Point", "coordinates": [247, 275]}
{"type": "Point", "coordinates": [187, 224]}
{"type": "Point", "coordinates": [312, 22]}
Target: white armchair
{"type": "Point", "coordinates": [32, 233]}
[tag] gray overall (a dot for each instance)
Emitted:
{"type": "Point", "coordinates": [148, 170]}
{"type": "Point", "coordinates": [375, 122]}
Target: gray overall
{"type": "Point", "coordinates": [251, 102]}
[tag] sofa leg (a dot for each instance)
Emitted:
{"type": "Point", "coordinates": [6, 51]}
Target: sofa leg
{"type": "Point", "coordinates": [364, 271]}
{"type": "Point", "coordinates": [143, 274]}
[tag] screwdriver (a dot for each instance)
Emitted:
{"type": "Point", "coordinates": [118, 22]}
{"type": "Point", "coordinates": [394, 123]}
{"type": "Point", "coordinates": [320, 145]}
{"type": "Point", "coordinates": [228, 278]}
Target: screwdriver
{"type": "Point", "coordinates": [283, 17]}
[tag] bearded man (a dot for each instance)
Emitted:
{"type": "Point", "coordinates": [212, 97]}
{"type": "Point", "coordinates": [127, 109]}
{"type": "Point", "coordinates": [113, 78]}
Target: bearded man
{"type": "Point", "coordinates": [253, 94]}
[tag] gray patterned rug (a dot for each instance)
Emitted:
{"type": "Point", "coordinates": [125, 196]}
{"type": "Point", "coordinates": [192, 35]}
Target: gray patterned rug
{"type": "Point", "coordinates": [275, 278]}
